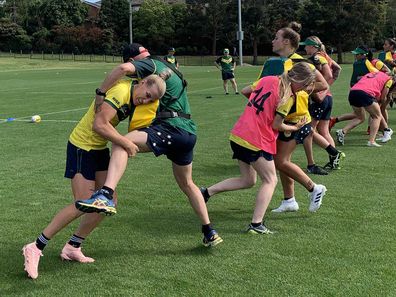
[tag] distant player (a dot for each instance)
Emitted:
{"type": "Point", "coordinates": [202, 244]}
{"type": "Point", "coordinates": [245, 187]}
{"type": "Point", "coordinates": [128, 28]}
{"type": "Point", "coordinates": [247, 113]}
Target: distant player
{"type": "Point", "coordinates": [170, 57]}
{"type": "Point", "coordinates": [227, 64]}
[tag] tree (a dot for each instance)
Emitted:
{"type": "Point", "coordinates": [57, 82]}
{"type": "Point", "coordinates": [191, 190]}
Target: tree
{"type": "Point", "coordinates": [13, 36]}
{"type": "Point", "coordinates": [62, 13]}
{"type": "Point", "coordinates": [154, 25]}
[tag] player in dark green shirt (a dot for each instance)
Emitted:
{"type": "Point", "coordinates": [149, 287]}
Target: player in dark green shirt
{"type": "Point", "coordinates": [227, 64]}
{"type": "Point", "coordinates": [172, 133]}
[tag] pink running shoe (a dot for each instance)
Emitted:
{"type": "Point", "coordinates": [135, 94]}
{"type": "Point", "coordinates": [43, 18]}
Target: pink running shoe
{"type": "Point", "coordinates": [32, 257]}
{"type": "Point", "coordinates": [70, 253]}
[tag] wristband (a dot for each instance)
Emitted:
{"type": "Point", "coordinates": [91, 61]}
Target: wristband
{"type": "Point", "coordinates": [99, 92]}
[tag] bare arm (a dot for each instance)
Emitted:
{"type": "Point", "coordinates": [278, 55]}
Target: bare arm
{"type": "Point", "coordinates": [320, 87]}
{"type": "Point", "coordinates": [279, 125]}
{"type": "Point", "coordinates": [103, 127]}
{"type": "Point", "coordinates": [384, 94]}
{"type": "Point", "coordinates": [110, 80]}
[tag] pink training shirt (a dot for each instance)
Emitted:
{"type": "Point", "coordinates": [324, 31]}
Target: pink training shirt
{"type": "Point", "coordinates": [372, 83]}
{"type": "Point", "coordinates": [255, 123]}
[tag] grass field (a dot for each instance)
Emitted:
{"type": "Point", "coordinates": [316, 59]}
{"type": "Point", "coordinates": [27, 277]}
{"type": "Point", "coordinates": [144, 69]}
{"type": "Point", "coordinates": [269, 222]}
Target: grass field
{"type": "Point", "coordinates": [152, 246]}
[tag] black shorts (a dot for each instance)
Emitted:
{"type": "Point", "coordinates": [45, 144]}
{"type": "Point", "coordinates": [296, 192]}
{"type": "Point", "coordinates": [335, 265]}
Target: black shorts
{"type": "Point", "coordinates": [360, 98]}
{"type": "Point", "coordinates": [298, 136]}
{"type": "Point", "coordinates": [227, 75]}
{"type": "Point", "coordinates": [85, 162]}
{"type": "Point", "coordinates": [321, 111]}
{"type": "Point", "coordinates": [177, 144]}
{"type": "Point", "coordinates": [248, 156]}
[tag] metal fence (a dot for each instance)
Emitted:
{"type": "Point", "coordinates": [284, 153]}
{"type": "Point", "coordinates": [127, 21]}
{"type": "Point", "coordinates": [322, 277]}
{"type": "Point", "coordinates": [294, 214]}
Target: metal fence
{"type": "Point", "coordinates": [183, 60]}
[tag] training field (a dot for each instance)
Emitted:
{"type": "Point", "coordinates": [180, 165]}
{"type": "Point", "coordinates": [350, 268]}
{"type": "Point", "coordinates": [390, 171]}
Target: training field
{"type": "Point", "coordinates": [152, 247]}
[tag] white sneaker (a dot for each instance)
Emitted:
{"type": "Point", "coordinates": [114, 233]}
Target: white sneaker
{"type": "Point", "coordinates": [287, 206]}
{"type": "Point", "coordinates": [373, 144]}
{"type": "Point", "coordinates": [387, 136]}
{"type": "Point", "coordinates": [340, 136]}
{"type": "Point", "coordinates": [316, 197]}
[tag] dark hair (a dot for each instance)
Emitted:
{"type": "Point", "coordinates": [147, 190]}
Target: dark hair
{"type": "Point", "coordinates": [133, 50]}
{"type": "Point", "coordinates": [293, 36]}
{"type": "Point", "coordinates": [295, 26]}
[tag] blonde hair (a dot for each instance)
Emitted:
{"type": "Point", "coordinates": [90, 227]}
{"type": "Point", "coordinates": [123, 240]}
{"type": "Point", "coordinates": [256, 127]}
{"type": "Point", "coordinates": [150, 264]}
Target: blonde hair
{"type": "Point", "coordinates": [159, 81]}
{"type": "Point", "coordinates": [301, 73]}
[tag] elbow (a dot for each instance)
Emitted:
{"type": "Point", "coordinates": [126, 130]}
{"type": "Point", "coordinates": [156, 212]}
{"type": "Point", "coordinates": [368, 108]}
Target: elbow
{"type": "Point", "coordinates": [98, 127]}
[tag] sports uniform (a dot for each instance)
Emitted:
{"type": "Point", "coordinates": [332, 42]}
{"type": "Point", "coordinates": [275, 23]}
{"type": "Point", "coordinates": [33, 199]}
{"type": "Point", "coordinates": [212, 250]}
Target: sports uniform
{"type": "Point", "coordinates": [226, 63]}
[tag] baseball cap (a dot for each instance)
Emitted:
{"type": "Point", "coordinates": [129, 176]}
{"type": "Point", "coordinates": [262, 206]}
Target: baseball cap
{"type": "Point", "coordinates": [135, 51]}
{"type": "Point", "coordinates": [360, 50]}
{"type": "Point", "coordinates": [171, 49]}
{"type": "Point", "coordinates": [226, 50]}
{"type": "Point", "coordinates": [310, 42]}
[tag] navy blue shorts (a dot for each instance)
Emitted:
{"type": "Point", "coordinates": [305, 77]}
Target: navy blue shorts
{"type": "Point", "coordinates": [322, 110]}
{"type": "Point", "coordinates": [360, 98]}
{"type": "Point", "coordinates": [227, 75]}
{"type": "Point", "coordinates": [248, 156]}
{"type": "Point", "coordinates": [177, 144]}
{"type": "Point", "coordinates": [298, 136]}
{"type": "Point", "coordinates": [85, 162]}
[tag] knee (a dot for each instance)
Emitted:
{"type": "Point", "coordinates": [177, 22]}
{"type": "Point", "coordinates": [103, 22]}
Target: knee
{"type": "Point", "coordinates": [249, 182]}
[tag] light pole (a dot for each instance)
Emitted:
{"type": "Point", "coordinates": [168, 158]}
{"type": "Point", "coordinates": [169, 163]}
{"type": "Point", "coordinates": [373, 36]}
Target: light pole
{"type": "Point", "coordinates": [130, 22]}
{"type": "Point", "coordinates": [240, 33]}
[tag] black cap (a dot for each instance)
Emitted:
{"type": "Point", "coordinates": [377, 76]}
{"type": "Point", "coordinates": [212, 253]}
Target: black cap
{"type": "Point", "coordinates": [133, 51]}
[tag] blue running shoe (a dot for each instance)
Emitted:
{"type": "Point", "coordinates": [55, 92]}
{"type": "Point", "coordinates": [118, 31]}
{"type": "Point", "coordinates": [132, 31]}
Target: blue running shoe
{"type": "Point", "coordinates": [212, 239]}
{"type": "Point", "coordinates": [99, 202]}
{"type": "Point", "coordinates": [261, 229]}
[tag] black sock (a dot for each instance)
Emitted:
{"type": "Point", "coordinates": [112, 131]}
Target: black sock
{"type": "Point", "coordinates": [331, 150]}
{"type": "Point", "coordinates": [108, 192]}
{"type": "Point", "coordinates": [311, 166]}
{"type": "Point", "coordinates": [42, 241]}
{"type": "Point", "coordinates": [206, 229]}
{"type": "Point", "coordinates": [255, 224]}
{"type": "Point", "coordinates": [387, 129]}
{"type": "Point", "coordinates": [337, 120]}
{"type": "Point", "coordinates": [76, 241]}
{"type": "Point", "coordinates": [205, 193]}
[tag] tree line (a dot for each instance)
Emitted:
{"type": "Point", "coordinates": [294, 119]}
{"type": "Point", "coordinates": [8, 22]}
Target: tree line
{"type": "Point", "coordinates": [201, 27]}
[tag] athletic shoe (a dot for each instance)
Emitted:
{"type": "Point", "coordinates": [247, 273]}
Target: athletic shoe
{"type": "Point", "coordinates": [236, 93]}
{"type": "Point", "coordinates": [262, 229]}
{"type": "Point", "coordinates": [335, 161]}
{"type": "Point", "coordinates": [287, 206]}
{"type": "Point", "coordinates": [99, 202]}
{"type": "Point", "coordinates": [226, 93]}
{"type": "Point", "coordinates": [32, 258]}
{"type": "Point", "coordinates": [71, 253]}
{"type": "Point", "coordinates": [386, 137]}
{"type": "Point", "coordinates": [332, 122]}
{"type": "Point", "coordinates": [203, 192]}
{"type": "Point", "coordinates": [212, 239]}
{"type": "Point", "coordinates": [373, 144]}
{"type": "Point", "coordinates": [340, 136]}
{"type": "Point", "coordinates": [316, 197]}
{"type": "Point", "coordinates": [316, 170]}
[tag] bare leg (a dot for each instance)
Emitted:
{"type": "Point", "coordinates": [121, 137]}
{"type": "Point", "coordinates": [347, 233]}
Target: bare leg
{"type": "Point", "coordinates": [119, 158]}
{"type": "Point", "coordinates": [183, 176]}
{"type": "Point", "coordinates": [225, 86]}
{"type": "Point", "coordinates": [359, 118]}
{"type": "Point", "coordinates": [267, 173]}
{"type": "Point", "coordinates": [246, 180]}
{"type": "Point", "coordinates": [308, 149]}
{"type": "Point", "coordinates": [284, 165]}
{"type": "Point", "coordinates": [323, 129]}
{"type": "Point", "coordinates": [375, 113]}
{"type": "Point", "coordinates": [234, 85]}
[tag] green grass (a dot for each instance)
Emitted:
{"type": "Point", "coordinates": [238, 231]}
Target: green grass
{"type": "Point", "coordinates": [152, 246]}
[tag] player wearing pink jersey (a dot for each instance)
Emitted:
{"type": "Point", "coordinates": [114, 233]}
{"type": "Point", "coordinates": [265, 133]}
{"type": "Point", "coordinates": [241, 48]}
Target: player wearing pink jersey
{"type": "Point", "coordinates": [253, 138]}
{"type": "Point", "coordinates": [365, 95]}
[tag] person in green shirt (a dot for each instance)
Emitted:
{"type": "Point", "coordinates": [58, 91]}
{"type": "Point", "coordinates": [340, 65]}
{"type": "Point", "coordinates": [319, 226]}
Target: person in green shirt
{"type": "Point", "coordinates": [172, 133]}
{"type": "Point", "coordinates": [170, 57]}
{"type": "Point", "coordinates": [227, 64]}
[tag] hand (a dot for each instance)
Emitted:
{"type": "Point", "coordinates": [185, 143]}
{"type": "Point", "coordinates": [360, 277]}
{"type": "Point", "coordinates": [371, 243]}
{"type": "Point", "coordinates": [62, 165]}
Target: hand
{"type": "Point", "coordinates": [301, 123]}
{"type": "Point", "coordinates": [131, 148]}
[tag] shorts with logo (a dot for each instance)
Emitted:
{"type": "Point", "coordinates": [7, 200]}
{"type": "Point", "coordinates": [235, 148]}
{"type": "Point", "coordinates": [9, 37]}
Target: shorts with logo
{"type": "Point", "coordinates": [85, 162]}
{"type": "Point", "coordinates": [298, 136]}
{"type": "Point", "coordinates": [248, 156]}
{"type": "Point", "coordinates": [227, 75]}
{"type": "Point", "coordinates": [322, 110]}
{"type": "Point", "coordinates": [177, 144]}
{"type": "Point", "coordinates": [360, 98]}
